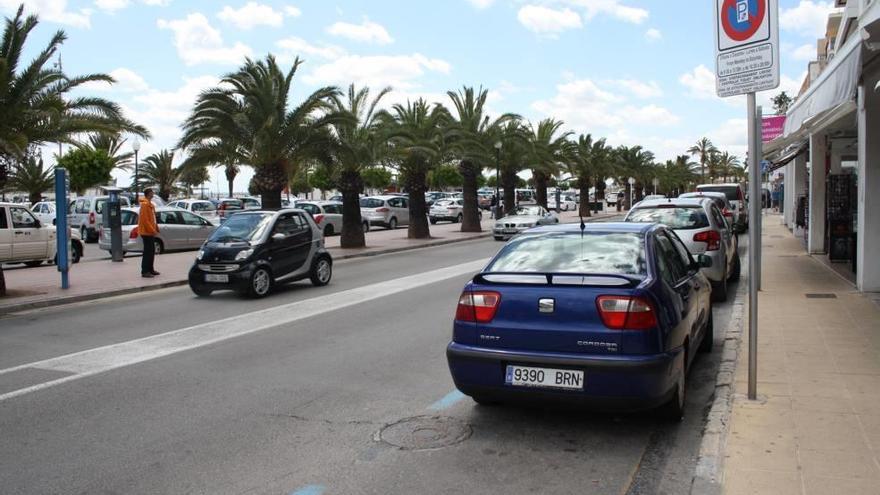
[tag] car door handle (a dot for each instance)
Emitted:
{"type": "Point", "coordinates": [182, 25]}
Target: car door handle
{"type": "Point", "coordinates": [19, 232]}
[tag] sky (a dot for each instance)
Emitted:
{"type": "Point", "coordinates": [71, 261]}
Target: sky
{"type": "Point", "coordinates": [636, 72]}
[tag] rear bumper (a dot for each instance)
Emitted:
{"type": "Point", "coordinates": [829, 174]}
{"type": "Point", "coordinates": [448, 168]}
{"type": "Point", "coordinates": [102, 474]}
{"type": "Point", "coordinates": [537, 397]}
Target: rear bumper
{"type": "Point", "coordinates": [611, 382]}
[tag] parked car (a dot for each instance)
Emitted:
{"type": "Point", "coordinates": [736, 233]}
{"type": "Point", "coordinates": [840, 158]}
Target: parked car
{"type": "Point", "coordinates": [484, 200]}
{"type": "Point", "coordinates": [326, 214]}
{"type": "Point", "coordinates": [737, 198]}
{"type": "Point", "coordinates": [703, 229]}
{"type": "Point", "coordinates": [605, 315]}
{"type": "Point", "coordinates": [387, 211]}
{"type": "Point", "coordinates": [44, 211]}
{"type": "Point", "coordinates": [566, 202]}
{"type": "Point", "coordinates": [522, 219]}
{"type": "Point", "coordinates": [256, 250]}
{"type": "Point", "coordinates": [25, 239]}
{"type": "Point", "coordinates": [201, 207]}
{"type": "Point", "coordinates": [178, 230]}
{"type": "Point", "coordinates": [448, 210]}
{"type": "Point", "coordinates": [87, 214]}
{"type": "Point", "coordinates": [251, 203]}
{"type": "Point", "coordinates": [228, 206]}
{"type": "Point", "coordinates": [720, 200]}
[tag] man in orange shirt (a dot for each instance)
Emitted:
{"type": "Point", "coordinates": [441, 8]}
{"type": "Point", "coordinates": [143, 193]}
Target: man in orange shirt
{"type": "Point", "coordinates": [147, 228]}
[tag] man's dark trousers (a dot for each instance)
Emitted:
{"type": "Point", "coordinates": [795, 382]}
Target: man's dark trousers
{"type": "Point", "coordinates": [149, 254]}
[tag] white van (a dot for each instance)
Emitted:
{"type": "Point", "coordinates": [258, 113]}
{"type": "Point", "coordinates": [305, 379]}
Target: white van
{"type": "Point", "coordinates": [86, 214]}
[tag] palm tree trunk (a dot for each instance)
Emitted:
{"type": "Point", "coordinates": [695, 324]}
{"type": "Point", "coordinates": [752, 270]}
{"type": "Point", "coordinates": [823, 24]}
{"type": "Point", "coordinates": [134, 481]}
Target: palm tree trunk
{"type": "Point", "coordinates": [270, 179]}
{"type": "Point", "coordinates": [508, 182]}
{"type": "Point", "coordinates": [470, 221]}
{"type": "Point", "coordinates": [35, 197]}
{"type": "Point", "coordinates": [541, 180]}
{"type": "Point", "coordinates": [2, 282]}
{"type": "Point", "coordinates": [230, 177]}
{"type": "Point", "coordinates": [416, 185]}
{"type": "Point", "coordinates": [351, 184]}
{"type": "Point", "coordinates": [584, 189]}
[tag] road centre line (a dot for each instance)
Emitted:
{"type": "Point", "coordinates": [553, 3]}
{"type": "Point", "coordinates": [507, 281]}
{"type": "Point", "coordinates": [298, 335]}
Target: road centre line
{"type": "Point", "coordinates": [98, 360]}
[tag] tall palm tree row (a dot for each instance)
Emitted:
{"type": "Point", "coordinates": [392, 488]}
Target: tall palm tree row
{"type": "Point", "coordinates": [703, 149]}
{"type": "Point", "coordinates": [158, 171]}
{"type": "Point", "coordinates": [548, 149]}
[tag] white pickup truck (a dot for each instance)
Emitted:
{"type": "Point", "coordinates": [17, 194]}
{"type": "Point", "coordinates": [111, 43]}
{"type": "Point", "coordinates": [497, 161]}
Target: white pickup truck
{"type": "Point", "coordinates": [24, 239]}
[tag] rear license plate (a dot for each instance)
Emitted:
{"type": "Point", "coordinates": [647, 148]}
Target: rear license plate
{"type": "Point", "coordinates": [213, 277]}
{"type": "Point", "coordinates": [523, 376]}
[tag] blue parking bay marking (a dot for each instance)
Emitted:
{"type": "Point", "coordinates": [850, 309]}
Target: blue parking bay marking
{"type": "Point", "coordinates": [447, 401]}
{"type": "Point", "coordinates": [310, 490]}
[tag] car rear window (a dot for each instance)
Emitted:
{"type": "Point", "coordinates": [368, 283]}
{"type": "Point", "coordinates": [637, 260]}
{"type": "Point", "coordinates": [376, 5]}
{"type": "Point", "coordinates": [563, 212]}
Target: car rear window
{"type": "Point", "coordinates": [372, 203]}
{"type": "Point", "coordinates": [729, 191]}
{"type": "Point", "coordinates": [675, 217]}
{"type": "Point", "coordinates": [565, 252]}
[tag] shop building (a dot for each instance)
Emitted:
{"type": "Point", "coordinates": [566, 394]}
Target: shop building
{"type": "Point", "coordinates": [829, 152]}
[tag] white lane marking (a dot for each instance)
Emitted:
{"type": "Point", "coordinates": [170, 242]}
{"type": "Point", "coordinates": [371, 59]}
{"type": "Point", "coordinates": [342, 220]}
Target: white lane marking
{"type": "Point", "coordinates": [98, 360]}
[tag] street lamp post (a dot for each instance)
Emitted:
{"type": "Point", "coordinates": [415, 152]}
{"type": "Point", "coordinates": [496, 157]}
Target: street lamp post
{"type": "Point", "coordinates": [498, 209]}
{"type": "Point", "coordinates": [136, 146]}
{"type": "Point", "coordinates": [656, 183]}
{"type": "Point", "coordinates": [631, 182]}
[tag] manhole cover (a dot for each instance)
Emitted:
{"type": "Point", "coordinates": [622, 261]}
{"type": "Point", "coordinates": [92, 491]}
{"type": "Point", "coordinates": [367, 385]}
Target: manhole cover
{"type": "Point", "coordinates": [425, 433]}
{"type": "Point", "coordinates": [821, 296]}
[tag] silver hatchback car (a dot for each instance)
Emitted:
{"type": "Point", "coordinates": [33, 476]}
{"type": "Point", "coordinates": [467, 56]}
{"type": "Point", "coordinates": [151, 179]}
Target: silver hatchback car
{"type": "Point", "coordinates": [700, 225]}
{"type": "Point", "coordinates": [178, 230]}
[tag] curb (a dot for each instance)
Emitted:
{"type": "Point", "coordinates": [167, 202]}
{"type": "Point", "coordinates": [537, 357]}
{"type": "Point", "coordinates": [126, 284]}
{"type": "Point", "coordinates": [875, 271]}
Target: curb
{"type": "Point", "coordinates": [60, 301]}
{"type": "Point", "coordinates": [707, 474]}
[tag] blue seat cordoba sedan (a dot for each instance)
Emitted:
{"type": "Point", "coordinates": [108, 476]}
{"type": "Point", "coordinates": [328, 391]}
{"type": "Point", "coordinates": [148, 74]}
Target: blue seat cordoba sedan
{"type": "Point", "coordinates": [606, 315]}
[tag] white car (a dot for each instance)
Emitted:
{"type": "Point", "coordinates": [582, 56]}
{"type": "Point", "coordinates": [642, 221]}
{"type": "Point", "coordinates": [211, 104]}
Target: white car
{"type": "Point", "coordinates": [449, 210]}
{"type": "Point", "coordinates": [25, 239]}
{"type": "Point", "coordinates": [87, 214]}
{"type": "Point", "coordinates": [566, 202]}
{"type": "Point", "coordinates": [201, 207]}
{"type": "Point", "coordinates": [387, 211]}
{"type": "Point", "coordinates": [326, 214]}
{"type": "Point", "coordinates": [44, 211]}
{"type": "Point", "coordinates": [522, 219]}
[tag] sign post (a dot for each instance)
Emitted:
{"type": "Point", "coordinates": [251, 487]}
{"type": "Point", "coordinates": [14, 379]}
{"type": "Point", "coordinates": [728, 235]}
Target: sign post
{"type": "Point", "coordinates": [61, 230]}
{"type": "Point", "coordinates": [747, 61]}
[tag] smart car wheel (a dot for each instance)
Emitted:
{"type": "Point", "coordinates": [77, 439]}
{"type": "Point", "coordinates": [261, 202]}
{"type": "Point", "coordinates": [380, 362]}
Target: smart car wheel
{"type": "Point", "coordinates": [261, 283]}
{"type": "Point", "coordinates": [322, 271]}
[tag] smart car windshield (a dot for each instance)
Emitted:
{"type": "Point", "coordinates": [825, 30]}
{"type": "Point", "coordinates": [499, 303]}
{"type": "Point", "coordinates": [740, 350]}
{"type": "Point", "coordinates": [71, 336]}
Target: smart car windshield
{"type": "Point", "coordinates": [242, 227]}
{"type": "Point", "coordinates": [563, 252]}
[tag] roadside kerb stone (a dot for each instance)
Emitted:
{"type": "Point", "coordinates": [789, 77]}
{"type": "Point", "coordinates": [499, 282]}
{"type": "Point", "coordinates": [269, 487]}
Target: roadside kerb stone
{"type": "Point", "coordinates": [707, 474]}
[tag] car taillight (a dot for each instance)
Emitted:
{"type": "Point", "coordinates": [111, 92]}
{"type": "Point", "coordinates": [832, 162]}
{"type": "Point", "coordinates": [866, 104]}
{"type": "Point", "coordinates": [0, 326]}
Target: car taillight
{"type": "Point", "coordinates": [92, 217]}
{"type": "Point", "coordinates": [133, 234]}
{"type": "Point", "coordinates": [626, 313]}
{"type": "Point", "coordinates": [478, 307]}
{"type": "Point", "coordinates": [727, 213]}
{"type": "Point", "coordinates": [739, 194]}
{"type": "Point", "coordinates": [319, 218]}
{"type": "Point", "coordinates": [711, 237]}
{"type": "Point", "coordinates": [382, 210]}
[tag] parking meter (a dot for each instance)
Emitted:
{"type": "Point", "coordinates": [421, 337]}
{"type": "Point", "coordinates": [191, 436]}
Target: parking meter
{"type": "Point", "coordinates": [558, 199]}
{"type": "Point", "coordinates": [113, 220]}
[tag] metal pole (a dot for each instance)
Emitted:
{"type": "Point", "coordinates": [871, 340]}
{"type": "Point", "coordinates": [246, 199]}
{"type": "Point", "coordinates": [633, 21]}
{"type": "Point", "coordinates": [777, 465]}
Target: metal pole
{"type": "Point", "coordinates": [759, 156]}
{"type": "Point", "coordinates": [136, 177]}
{"type": "Point", "coordinates": [754, 243]}
{"type": "Point", "coordinates": [497, 183]}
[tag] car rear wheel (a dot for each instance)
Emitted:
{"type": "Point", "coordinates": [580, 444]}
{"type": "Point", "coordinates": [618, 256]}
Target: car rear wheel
{"type": "Point", "coordinates": [321, 272]}
{"type": "Point", "coordinates": [392, 224]}
{"type": "Point", "coordinates": [674, 409]}
{"type": "Point", "coordinates": [160, 248]}
{"type": "Point", "coordinates": [719, 289]}
{"type": "Point", "coordinates": [75, 252]}
{"type": "Point", "coordinates": [433, 221]}
{"type": "Point", "coordinates": [737, 269]}
{"type": "Point", "coordinates": [709, 337]}
{"type": "Point", "coordinates": [261, 283]}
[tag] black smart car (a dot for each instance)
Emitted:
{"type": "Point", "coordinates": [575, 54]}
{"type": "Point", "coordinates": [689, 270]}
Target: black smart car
{"type": "Point", "coordinates": [254, 250]}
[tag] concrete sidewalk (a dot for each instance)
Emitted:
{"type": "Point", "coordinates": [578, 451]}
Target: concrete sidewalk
{"type": "Point", "coordinates": [40, 287]}
{"type": "Point", "coordinates": [816, 426]}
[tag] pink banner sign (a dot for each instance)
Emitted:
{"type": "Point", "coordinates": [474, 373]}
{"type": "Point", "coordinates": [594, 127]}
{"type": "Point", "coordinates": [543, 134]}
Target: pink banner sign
{"type": "Point", "coordinates": [772, 127]}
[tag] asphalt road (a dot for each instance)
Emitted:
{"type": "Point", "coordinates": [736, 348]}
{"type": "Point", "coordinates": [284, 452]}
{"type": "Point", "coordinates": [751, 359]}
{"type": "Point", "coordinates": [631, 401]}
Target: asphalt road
{"type": "Point", "coordinates": [295, 394]}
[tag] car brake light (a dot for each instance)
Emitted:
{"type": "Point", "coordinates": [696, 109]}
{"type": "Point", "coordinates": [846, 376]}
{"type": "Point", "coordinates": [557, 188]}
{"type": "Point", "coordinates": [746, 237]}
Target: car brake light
{"type": "Point", "coordinates": [92, 217]}
{"type": "Point", "coordinates": [319, 218]}
{"type": "Point", "coordinates": [739, 194]}
{"type": "Point", "coordinates": [133, 234]}
{"type": "Point", "coordinates": [727, 213]}
{"type": "Point", "coordinates": [626, 313]}
{"type": "Point", "coordinates": [711, 237]}
{"type": "Point", "coordinates": [478, 307]}
{"type": "Point", "coordinates": [382, 210]}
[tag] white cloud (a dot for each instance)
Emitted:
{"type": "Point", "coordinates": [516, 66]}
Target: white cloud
{"type": "Point", "coordinates": [804, 53]}
{"type": "Point", "coordinates": [111, 5]}
{"type": "Point", "coordinates": [365, 32]}
{"type": "Point", "coordinates": [251, 15]}
{"type": "Point", "coordinates": [293, 47]}
{"type": "Point", "coordinates": [700, 81]}
{"type": "Point", "coordinates": [641, 89]}
{"type": "Point", "coordinates": [197, 42]}
{"type": "Point", "coordinates": [127, 81]}
{"type": "Point", "coordinates": [400, 71]}
{"type": "Point", "coordinates": [614, 8]}
{"type": "Point", "coordinates": [543, 20]}
{"type": "Point", "coordinates": [653, 35]}
{"type": "Point", "coordinates": [51, 11]}
{"type": "Point", "coordinates": [160, 3]}
{"type": "Point", "coordinates": [292, 11]}
{"type": "Point", "coordinates": [481, 4]}
{"type": "Point", "coordinates": [808, 18]}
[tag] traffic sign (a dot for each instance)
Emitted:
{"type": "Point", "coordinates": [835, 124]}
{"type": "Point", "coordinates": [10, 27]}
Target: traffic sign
{"type": "Point", "coordinates": [747, 46]}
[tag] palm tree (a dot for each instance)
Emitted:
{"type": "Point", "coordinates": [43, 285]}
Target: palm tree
{"type": "Point", "coordinates": [113, 144]}
{"type": "Point", "coordinates": [583, 163]}
{"type": "Point", "coordinates": [358, 146]}
{"type": "Point", "coordinates": [416, 138]}
{"type": "Point", "coordinates": [515, 146]}
{"type": "Point", "coordinates": [158, 171]}
{"type": "Point", "coordinates": [31, 177]}
{"type": "Point", "coordinates": [637, 163]}
{"type": "Point", "coordinates": [247, 120]}
{"type": "Point", "coordinates": [727, 165]}
{"type": "Point", "coordinates": [704, 149]}
{"type": "Point", "coordinates": [471, 133]}
{"type": "Point", "coordinates": [548, 151]}
{"type": "Point", "coordinates": [33, 107]}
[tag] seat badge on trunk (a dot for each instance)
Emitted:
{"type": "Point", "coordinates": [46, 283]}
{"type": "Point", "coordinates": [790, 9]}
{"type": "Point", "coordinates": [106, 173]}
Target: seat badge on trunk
{"type": "Point", "coordinates": [546, 305]}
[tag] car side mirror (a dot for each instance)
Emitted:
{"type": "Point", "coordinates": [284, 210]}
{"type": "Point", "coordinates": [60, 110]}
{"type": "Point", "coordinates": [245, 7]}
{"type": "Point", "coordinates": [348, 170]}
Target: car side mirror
{"type": "Point", "coordinates": [278, 237]}
{"type": "Point", "coordinates": [54, 221]}
{"type": "Point", "coordinates": [704, 261]}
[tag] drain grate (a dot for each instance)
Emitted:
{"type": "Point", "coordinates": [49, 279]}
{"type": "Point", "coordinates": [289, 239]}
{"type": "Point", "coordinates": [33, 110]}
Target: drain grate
{"type": "Point", "coordinates": [425, 433]}
{"type": "Point", "coordinates": [820, 296]}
